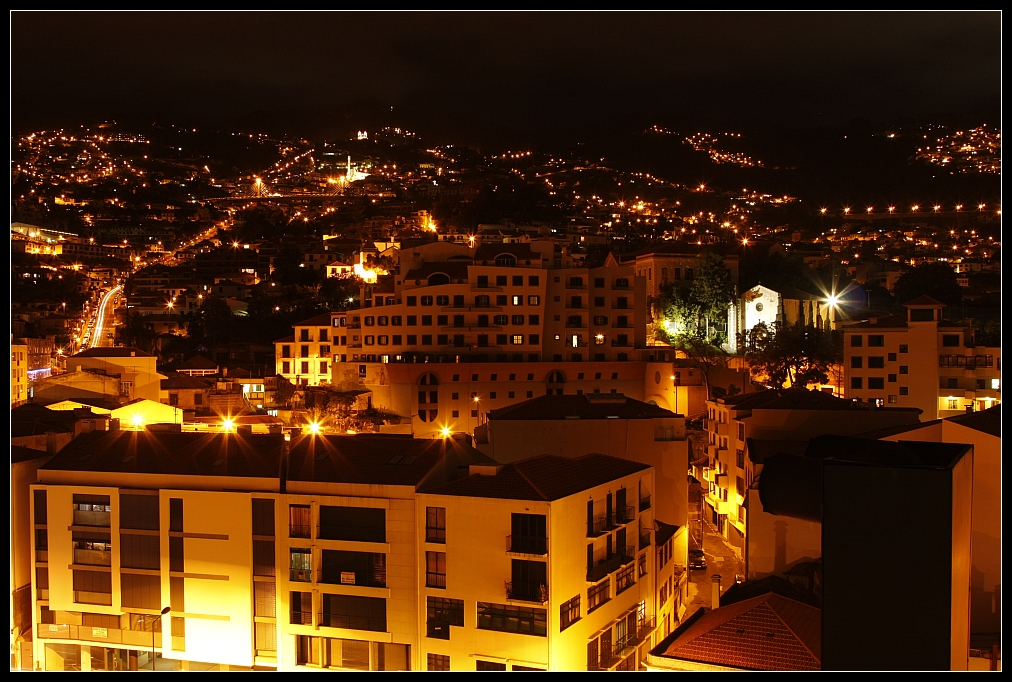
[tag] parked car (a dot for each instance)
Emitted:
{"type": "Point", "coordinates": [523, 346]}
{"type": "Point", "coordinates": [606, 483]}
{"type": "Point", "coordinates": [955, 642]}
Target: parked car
{"type": "Point", "coordinates": [696, 559]}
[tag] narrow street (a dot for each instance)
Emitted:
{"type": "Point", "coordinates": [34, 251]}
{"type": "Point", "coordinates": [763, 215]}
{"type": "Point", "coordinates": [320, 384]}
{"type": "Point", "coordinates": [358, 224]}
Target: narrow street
{"type": "Point", "coordinates": [720, 558]}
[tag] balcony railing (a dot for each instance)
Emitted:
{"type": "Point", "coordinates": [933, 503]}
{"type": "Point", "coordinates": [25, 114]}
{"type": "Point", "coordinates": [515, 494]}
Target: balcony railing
{"type": "Point", "coordinates": [299, 530]}
{"type": "Point", "coordinates": [525, 544]}
{"type": "Point", "coordinates": [611, 564]}
{"type": "Point", "coordinates": [644, 502]}
{"type": "Point", "coordinates": [301, 575]}
{"type": "Point", "coordinates": [644, 539]}
{"type": "Point", "coordinates": [527, 591]}
{"type": "Point", "coordinates": [301, 618]}
{"type": "Point", "coordinates": [625, 514]}
{"type": "Point", "coordinates": [631, 640]}
{"type": "Point", "coordinates": [597, 527]}
{"type": "Point", "coordinates": [340, 620]}
{"type": "Point", "coordinates": [435, 535]}
{"type": "Point", "coordinates": [627, 556]}
{"type": "Point", "coordinates": [92, 518]}
{"type": "Point", "coordinates": [92, 557]}
{"type": "Point", "coordinates": [435, 580]}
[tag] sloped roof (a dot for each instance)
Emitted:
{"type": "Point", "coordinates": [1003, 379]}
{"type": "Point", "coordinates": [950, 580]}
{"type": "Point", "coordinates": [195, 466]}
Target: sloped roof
{"type": "Point", "coordinates": [20, 453]}
{"type": "Point", "coordinates": [118, 352]}
{"type": "Point", "coordinates": [543, 478]}
{"type": "Point", "coordinates": [32, 419]}
{"type": "Point", "coordinates": [199, 362]}
{"type": "Point", "coordinates": [379, 459]}
{"type": "Point", "coordinates": [178, 381]}
{"type": "Point", "coordinates": [987, 421]}
{"type": "Point", "coordinates": [769, 632]}
{"type": "Point", "coordinates": [586, 406]}
{"type": "Point", "coordinates": [771, 583]}
{"type": "Point", "coordinates": [195, 454]}
{"type": "Point", "coordinates": [924, 300]}
{"type": "Point", "coordinates": [521, 251]}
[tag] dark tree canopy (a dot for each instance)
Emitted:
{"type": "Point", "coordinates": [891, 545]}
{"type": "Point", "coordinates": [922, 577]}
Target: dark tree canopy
{"type": "Point", "coordinates": [937, 280]}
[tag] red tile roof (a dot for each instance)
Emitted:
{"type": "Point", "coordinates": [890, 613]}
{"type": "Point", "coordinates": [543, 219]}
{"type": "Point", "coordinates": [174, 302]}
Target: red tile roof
{"type": "Point", "coordinates": [769, 632]}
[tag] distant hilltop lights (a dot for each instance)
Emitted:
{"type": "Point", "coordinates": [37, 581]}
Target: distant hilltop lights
{"type": "Point", "coordinates": [894, 210]}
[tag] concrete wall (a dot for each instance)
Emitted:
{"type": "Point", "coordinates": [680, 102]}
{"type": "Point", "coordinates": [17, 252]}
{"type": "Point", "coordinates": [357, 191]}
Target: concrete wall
{"type": "Point", "coordinates": [775, 543]}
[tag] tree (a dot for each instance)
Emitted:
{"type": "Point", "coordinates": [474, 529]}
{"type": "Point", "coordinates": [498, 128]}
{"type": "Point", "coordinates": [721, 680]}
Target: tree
{"type": "Point", "coordinates": [699, 307]}
{"type": "Point", "coordinates": [284, 391]}
{"type": "Point", "coordinates": [937, 280]}
{"type": "Point", "coordinates": [704, 350]}
{"type": "Point", "coordinates": [792, 354]}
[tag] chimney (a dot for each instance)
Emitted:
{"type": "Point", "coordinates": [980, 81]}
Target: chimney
{"type": "Point", "coordinates": [715, 582]}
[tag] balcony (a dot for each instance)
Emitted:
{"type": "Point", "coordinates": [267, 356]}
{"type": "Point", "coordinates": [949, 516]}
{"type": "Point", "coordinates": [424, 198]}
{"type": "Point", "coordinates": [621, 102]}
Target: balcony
{"type": "Point", "coordinates": [93, 557]}
{"type": "Point", "coordinates": [526, 544]}
{"type": "Point", "coordinates": [301, 618]}
{"type": "Point", "coordinates": [437, 535]}
{"type": "Point", "coordinates": [611, 564]}
{"type": "Point", "coordinates": [437, 580]}
{"type": "Point", "coordinates": [619, 343]}
{"type": "Point", "coordinates": [301, 575]}
{"type": "Point", "coordinates": [644, 539]}
{"type": "Point", "coordinates": [644, 502]}
{"type": "Point", "coordinates": [536, 593]}
{"type": "Point", "coordinates": [92, 518]}
{"type": "Point", "coordinates": [299, 530]}
{"type": "Point", "coordinates": [350, 622]}
{"type": "Point", "coordinates": [625, 646]}
{"type": "Point", "coordinates": [598, 526]}
{"type": "Point", "coordinates": [722, 428]}
{"type": "Point", "coordinates": [625, 514]}
{"type": "Point", "coordinates": [627, 556]}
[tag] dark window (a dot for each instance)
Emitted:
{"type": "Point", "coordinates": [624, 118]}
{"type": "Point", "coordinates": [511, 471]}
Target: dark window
{"type": "Point", "coordinates": [876, 340]}
{"type": "Point", "coordinates": [892, 357]}
{"type": "Point", "coordinates": [518, 619]}
{"type": "Point", "coordinates": [856, 341]}
{"type": "Point", "coordinates": [876, 362]}
{"type": "Point", "coordinates": [530, 581]}
{"type": "Point", "coordinates": [140, 551]}
{"type": "Point", "coordinates": [360, 524]}
{"type": "Point", "coordinates": [342, 567]}
{"type": "Point", "coordinates": [355, 613]}
{"type": "Point", "coordinates": [263, 558]}
{"type": "Point", "coordinates": [441, 613]}
{"type": "Point", "coordinates": [138, 512]}
{"type": "Point", "coordinates": [904, 390]}
{"type": "Point", "coordinates": [904, 348]}
{"type": "Point", "coordinates": [141, 591]}
{"type": "Point", "coordinates": [569, 612]}
{"type": "Point", "coordinates": [301, 604]}
{"type": "Point", "coordinates": [950, 340]}
{"type": "Point", "coordinates": [438, 662]}
{"type": "Point", "coordinates": [856, 383]}
{"type": "Point", "coordinates": [529, 534]}
{"type": "Point", "coordinates": [922, 315]}
{"type": "Point", "coordinates": [598, 594]}
{"type": "Point", "coordinates": [488, 665]}
{"type": "Point", "coordinates": [435, 524]}
{"type": "Point", "coordinates": [892, 378]}
{"type": "Point", "coordinates": [856, 362]}
{"type": "Point", "coordinates": [876, 383]}
{"type": "Point", "coordinates": [176, 515]}
{"type": "Point", "coordinates": [40, 507]}
{"type": "Point", "coordinates": [264, 599]}
{"type": "Point", "coordinates": [176, 554]}
{"type": "Point", "coordinates": [435, 569]}
{"type": "Point", "coordinates": [299, 523]}
{"type": "Point", "coordinates": [263, 517]}
{"type": "Point", "coordinates": [533, 280]}
{"type": "Point", "coordinates": [904, 369]}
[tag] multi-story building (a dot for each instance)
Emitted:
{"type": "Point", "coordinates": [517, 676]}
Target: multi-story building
{"type": "Point", "coordinates": [231, 551]}
{"type": "Point", "coordinates": [500, 323]}
{"type": "Point", "coordinates": [134, 368]}
{"type": "Point", "coordinates": [921, 361]}
{"type": "Point", "coordinates": [19, 372]}
{"type": "Point", "coordinates": [731, 465]}
{"type": "Point", "coordinates": [541, 564]}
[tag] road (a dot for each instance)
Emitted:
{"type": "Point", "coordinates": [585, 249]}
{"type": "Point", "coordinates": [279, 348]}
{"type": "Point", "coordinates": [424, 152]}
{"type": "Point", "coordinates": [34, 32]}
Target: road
{"type": "Point", "coordinates": [103, 332]}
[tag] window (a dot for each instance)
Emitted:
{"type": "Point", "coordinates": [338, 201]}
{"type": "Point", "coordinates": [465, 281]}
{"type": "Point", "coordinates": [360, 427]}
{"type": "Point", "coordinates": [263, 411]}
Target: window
{"type": "Point", "coordinates": [412, 300]}
{"type": "Point", "coordinates": [892, 400]}
{"type": "Point", "coordinates": [369, 322]}
{"type": "Point", "coordinates": [441, 613]}
{"type": "Point", "coordinates": [856, 362]}
{"type": "Point", "coordinates": [356, 524]}
{"type": "Point", "coordinates": [904, 390]}
{"type": "Point", "coordinates": [340, 567]}
{"type": "Point", "coordinates": [533, 300]}
{"type": "Point", "coordinates": [856, 341]}
{"type": "Point", "coordinates": [876, 362]}
{"type": "Point", "coordinates": [442, 300]}
{"type": "Point", "coordinates": [304, 333]}
{"type": "Point", "coordinates": [357, 613]}
{"type": "Point", "coordinates": [517, 340]}
{"type": "Point", "coordinates": [519, 619]}
{"type": "Point", "coordinates": [438, 662]}
{"type": "Point", "coordinates": [953, 404]}
{"type": "Point", "coordinates": [904, 348]}
{"type": "Point", "coordinates": [876, 340]}
{"type": "Point", "coordinates": [533, 280]}
{"type": "Point", "coordinates": [856, 383]}
{"type": "Point", "coordinates": [625, 579]}
{"type": "Point", "coordinates": [305, 365]}
{"type": "Point", "coordinates": [435, 523]}
{"type": "Point", "coordinates": [950, 340]}
{"type": "Point", "coordinates": [892, 378]}
{"type": "Point", "coordinates": [435, 569]}
{"type": "Point", "coordinates": [598, 595]}
{"type": "Point", "coordinates": [303, 351]}
{"type": "Point", "coordinates": [642, 563]}
{"type": "Point", "coordinates": [426, 300]}
{"type": "Point", "coordinates": [488, 665]}
{"type": "Point", "coordinates": [301, 565]}
{"type": "Point", "coordinates": [569, 613]}
{"type": "Point", "coordinates": [892, 357]}
{"type": "Point", "coordinates": [904, 369]}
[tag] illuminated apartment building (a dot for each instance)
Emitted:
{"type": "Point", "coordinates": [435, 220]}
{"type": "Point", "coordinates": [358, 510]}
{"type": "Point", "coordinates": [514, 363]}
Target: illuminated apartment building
{"type": "Point", "coordinates": [733, 424]}
{"type": "Point", "coordinates": [19, 372]}
{"type": "Point", "coordinates": [920, 361]}
{"type": "Point", "coordinates": [134, 368]}
{"type": "Point", "coordinates": [314, 553]}
{"type": "Point", "coordinates": [541, 564]}
{"type": "Point", "coordinates": [305, 357]}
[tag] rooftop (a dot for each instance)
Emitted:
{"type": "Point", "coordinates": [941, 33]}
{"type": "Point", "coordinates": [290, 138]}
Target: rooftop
{"type": "Point", "coordinates": [199, 362]}
{"type": "Point", "coordinates": [322, 320]}
{"type": "Point", "coordinates": [586, 406]}
{"type": "Point", "coordinates": [797, 399]}
{"type": "Point", "coordinates": [121, 352]}
{"type": "Point", "coordinates": [178, 381]}
{"type": "Point", "coordinates": [545, 478]}
{"type": "Point", "coordinates": [194, 454]}
{"type": "Point", "coordinates": [768, 632]}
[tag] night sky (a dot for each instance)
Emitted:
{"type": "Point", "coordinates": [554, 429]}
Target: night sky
{"type": "Point", "coordinates": [522, 70]}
